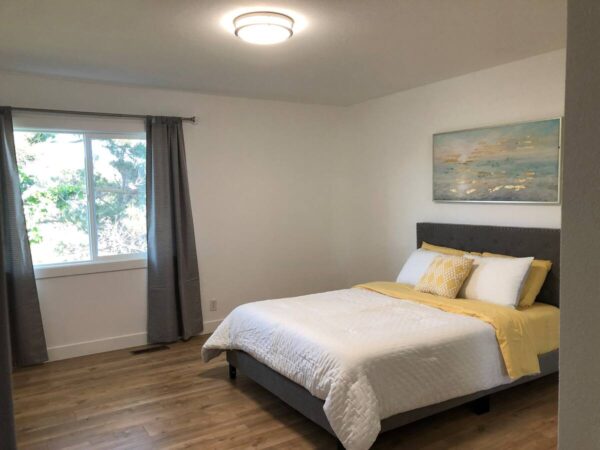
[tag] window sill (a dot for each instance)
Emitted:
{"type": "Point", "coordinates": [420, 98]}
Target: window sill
{"type": "Point", "coordinates": [86, 268]}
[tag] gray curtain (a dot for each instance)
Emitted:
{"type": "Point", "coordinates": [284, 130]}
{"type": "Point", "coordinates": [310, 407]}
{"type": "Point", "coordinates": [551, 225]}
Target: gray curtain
{"type": "Point", "coordinates": [7, 423]}
{"type": "Point", "coordinates": [22, 340]}
{"type": "Point", "coordinates": [174, 310]}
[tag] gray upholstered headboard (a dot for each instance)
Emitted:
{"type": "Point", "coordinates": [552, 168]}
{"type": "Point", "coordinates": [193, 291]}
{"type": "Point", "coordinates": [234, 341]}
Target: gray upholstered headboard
{"type": "Point", "coordinates": [542, 243]}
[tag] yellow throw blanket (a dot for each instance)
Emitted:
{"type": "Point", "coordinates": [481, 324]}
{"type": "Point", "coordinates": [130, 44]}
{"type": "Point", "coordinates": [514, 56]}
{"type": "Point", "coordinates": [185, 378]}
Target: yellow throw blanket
{"type": "Point", "coordinates": [512, 331]}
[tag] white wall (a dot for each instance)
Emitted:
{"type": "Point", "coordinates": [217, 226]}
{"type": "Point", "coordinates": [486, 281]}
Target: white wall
{"type": "Point", "coordinates": [288, 198]}
{"type": "Point", "coordinates": [260, 187]}
{"type": "Point", "coordinates": [386, 183]}
{"type": "Point", "coordinates": [579, 395]}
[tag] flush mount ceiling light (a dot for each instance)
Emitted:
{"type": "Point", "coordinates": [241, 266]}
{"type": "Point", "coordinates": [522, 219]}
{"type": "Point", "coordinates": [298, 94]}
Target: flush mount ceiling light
{"type": "Point", "coordinates": [263, 27]}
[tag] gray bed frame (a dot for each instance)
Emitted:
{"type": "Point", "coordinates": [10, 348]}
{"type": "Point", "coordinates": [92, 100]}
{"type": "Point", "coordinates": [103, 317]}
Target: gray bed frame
{"type": "Point", "coordinates": [539, 242]}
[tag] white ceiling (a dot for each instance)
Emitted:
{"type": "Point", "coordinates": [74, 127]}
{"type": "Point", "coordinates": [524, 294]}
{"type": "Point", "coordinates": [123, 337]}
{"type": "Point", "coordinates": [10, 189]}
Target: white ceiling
{"type": "Point", "coordinates": [349, 50]}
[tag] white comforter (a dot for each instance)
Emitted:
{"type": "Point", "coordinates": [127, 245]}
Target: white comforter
{"type": "Point", "coordinates": [367, 355]}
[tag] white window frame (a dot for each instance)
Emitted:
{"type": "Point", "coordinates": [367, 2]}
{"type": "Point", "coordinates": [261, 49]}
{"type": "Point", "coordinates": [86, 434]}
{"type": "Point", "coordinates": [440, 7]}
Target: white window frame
{"type": "Point", "coordinates": [95, 264]}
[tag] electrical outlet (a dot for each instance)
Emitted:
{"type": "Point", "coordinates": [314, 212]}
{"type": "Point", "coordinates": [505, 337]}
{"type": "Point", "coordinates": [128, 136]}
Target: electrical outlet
{"type": "Point", "coordinates": [212, 305]}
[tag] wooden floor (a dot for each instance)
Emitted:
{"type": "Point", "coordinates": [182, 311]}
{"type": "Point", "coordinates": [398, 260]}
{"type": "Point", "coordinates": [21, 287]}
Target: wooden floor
{"type": "Point", "coordinates": [172, 400]}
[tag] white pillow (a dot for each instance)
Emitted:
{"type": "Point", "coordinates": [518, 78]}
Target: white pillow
{"type": "Point", "coordinates": [415, 266]}
{"type": "Point", "coordinates": [496, 280]}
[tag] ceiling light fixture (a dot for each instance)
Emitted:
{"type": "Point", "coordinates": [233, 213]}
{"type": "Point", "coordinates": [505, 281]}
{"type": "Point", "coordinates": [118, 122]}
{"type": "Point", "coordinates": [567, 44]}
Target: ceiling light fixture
{"type": "Point", "coordinates": [263, 27]}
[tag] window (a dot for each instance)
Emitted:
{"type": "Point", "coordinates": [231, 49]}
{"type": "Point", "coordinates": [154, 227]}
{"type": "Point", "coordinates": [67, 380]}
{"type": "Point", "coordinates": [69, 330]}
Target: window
{"type": "Point", "coordinates": [84, 195]}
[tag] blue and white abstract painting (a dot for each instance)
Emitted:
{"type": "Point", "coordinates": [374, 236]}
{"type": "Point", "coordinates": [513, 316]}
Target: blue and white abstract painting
{"type": "Point", "coordinates": [508, 163]}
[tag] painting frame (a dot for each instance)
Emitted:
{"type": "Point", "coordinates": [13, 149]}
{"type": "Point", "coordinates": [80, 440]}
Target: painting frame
{"type": "Point", "coordinates": [503, 125]}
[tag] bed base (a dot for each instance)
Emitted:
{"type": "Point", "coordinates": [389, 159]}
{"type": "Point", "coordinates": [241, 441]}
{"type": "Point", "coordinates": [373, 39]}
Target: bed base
{"type": "Point", "coordinates": [311, 407]}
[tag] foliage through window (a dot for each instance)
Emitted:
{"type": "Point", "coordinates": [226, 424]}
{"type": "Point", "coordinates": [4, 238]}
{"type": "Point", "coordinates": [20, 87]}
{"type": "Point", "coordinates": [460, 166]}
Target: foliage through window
{"type": "Point", "coordinates": [84, 195]}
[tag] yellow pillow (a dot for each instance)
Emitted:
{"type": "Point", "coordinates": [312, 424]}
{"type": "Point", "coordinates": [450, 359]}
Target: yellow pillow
{"type": "Point", "coordinates": [445, 276]}
{"type": "Point", "coordinates": [446, 250]}
{"type": "Point", "coordinates": [535, 279]}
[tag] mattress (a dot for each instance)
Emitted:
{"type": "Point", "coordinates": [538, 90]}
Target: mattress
{"type": "Point", "coordinates": [545, 324]}
{"type": "Point", "coordinates": [367, 355]}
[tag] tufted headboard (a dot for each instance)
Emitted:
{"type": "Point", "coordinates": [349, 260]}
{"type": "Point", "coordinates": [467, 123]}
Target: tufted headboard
{"type": "Point", "coordinates": [542, 243]}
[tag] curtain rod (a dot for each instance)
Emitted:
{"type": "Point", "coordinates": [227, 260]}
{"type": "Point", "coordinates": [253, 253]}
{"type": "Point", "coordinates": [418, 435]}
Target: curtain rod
{"type": "Point", "coordinates": [88, 113]}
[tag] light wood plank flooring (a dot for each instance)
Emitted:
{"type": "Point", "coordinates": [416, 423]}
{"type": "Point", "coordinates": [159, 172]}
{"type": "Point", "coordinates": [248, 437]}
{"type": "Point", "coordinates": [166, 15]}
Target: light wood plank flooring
{"type": "Point", "coordinates": [172, 400]}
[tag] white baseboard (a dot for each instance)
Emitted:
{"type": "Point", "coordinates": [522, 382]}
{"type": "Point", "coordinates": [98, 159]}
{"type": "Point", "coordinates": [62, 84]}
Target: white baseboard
{"type": "Point", "coordinates": [108, 344]}
{"type": "Point", "coordinates": [211, 326]}
{"type": "Point", "coordinates": [96, 346]}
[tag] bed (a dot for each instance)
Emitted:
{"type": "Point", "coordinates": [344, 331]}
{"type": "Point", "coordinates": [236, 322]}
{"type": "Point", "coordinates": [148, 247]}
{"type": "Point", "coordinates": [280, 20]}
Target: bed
{"type": "Point", "coordinates": [359, 363]}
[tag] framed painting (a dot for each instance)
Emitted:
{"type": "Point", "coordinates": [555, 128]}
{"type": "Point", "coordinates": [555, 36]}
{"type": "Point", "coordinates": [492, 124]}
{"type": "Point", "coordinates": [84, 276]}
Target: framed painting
{"type": "Point", "coordinates": [514, 163]}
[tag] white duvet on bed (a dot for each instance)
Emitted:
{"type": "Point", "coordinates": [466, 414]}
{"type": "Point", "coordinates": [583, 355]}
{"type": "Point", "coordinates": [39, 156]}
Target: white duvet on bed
{"type": "Point", "coordinates": [367, 355]}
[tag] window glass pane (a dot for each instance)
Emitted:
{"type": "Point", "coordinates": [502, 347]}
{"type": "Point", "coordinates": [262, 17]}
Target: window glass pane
{"type": "Point", "coordinates": [53, 185]}
{"type": "Point", "coordinates": [120, 195]}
